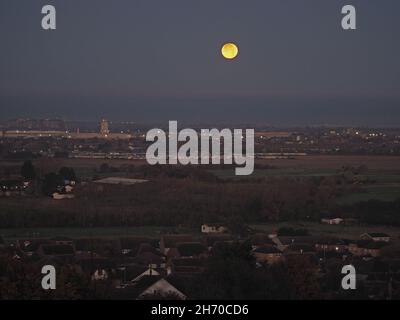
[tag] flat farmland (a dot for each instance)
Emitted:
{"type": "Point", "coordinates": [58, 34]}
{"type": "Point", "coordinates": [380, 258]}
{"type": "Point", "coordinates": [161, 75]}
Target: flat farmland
{"type": "Point", "coordinates": [385, 163]}
{"type": "Point", "coordinates": [341, 231]}
{"type": "Point", "coordinates": [313, 162]}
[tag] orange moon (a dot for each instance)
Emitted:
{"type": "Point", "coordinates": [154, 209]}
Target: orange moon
{"type": "Point", "coordinates": [230, 51]}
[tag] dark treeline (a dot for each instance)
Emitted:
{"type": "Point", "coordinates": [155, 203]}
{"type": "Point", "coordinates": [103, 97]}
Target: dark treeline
{"type": "Point", "coordinates": [374, 212]}
{"type": "Point", "coordinates": [172, 202]}
{"type": "Point", "coordinates": [190, 196]}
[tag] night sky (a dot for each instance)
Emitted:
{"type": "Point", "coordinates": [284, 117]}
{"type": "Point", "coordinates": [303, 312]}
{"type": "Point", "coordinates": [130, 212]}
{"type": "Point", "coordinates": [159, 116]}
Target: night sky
{"type": "Point", "coordinates": [159, 60]}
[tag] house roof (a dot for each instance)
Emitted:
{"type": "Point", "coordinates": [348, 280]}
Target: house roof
{"type": "Point", "coordinates": [96, 263]}
{"type": "Point", "coordinates": [311, 240]}
{"type": "Point", "coordinates": [146, 273]}
{"type": "Point", "coordinates": [6, 184]}
{"type": "Point", "coordinates": [133, 243]}
{"type": "Point", "coordinates": [187, 249]}
{"type": "Point", "coordinates": [61, 238]}
{"type": "Point", "coordinates": [377, 234]}
{"type": "Point", "coordinates": [261, 239]}
{"type": "Point", "coordinates": [31, 245]}
{"type": "Point", "coordinates": [161, 283]}
{"type": "Point", "coordinates": [267, 250]}
{"type": "Point", "coordinates": [93, 244]}
{"type": "Point", "coordinates": [211, 239]}
{"type": "Point", "coordinates": [329, 241]}
{"type": "Point", "coordinates": [332, 255]}
{"type": "Point", "coordinates": [300, 239]}
{"type": "Point", "coordinates": [120, 181]}
{"type": "Point", "coordinates": [147, 258]}
{"type": "Point", "coordinates": [57, 249]}
{"type": "Point", "coordinates": [170, 241]}
{"type": "Point", "coordinates": [188, 262]}
{"type": "Point", "coordinates": [146, 281]}
{"type": "Point", "coordinates": [132, 292]}
{"type": "Point", "coordinates": [370, 244]}
{"type": "Point", "coordinates": [301, 247]}
{"type": "Point", "coordinates": [173, 253]}
{"type": "Point", "coordinates": [147, 247]}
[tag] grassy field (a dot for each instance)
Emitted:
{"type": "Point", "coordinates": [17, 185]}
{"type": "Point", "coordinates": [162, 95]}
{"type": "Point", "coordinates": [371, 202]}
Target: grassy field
{"type": "Point", "coordinates": [313, 162]}
{"type": "Point", "coordinates": [383, 174]}
{"type": "Point", "coordinates": [342, 231]}
{"type": "Point", "coordinates": [279, 172]}
{"type": "Point", "coordinates": [151, 232]}
{"type": "Point", "coordinates": [383, 184]}
{"type": "Point", "coordinates": [372, 192]}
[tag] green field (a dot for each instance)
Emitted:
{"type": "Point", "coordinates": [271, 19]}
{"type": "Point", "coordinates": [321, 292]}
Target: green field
{"type": "Point", "coordinates": [383, 192]}
{"type": "Point", "coordinates": [314, 228]}
{"type": "Point", "coordinates": [11, 235]}
{"type": "Point", "coordinates": [285, 172]}
{"type": "Point", "coordinates": [341, 231]}
{"type": "Point", "coordinates": [385, 187]}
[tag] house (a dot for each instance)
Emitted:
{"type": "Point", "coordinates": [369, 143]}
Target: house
{"type": "Point", "coordinates": [172, 254]}
{"type": "Point", "coordinates": [191, 249]}
{"type": "Point", "coordinates": [170, 241]}
{"type": "Point", "coordinates": [267, 254]}
{"type": "Point", "coordinates": [261, 239]}
{"type": "Point", "coordinates": [101, 246]}
{"type": "Point", "coordinates": [213, 228]}
{"type": "Point", "coordinates": [147, 247]}
{"type": "Point", "coordinates": [376, 236]}
{"type": "Point", "coordinates": [10, 187]}
{"type": "Point", "coordinates": [62, 241]}
{"type": "Point", "coordinates": [364, 248]}
{"type": "Point", "coordinates": [332, 221]}
{"type": "Point", "coordinates": [283, 243]}
{"type": "Point", "coordinates": [68, 189]}
{"type": "Point", "coordinates": [186, 266]}
{"type": "Point", "coordinates": [155, 260]}
{"type": "Point", "coordinates": [300, 248]}
{"type": "Point", "coordinates": [119, 181]}
{"type": "Point", "coordinates": [56, 250]}
{"type": "Point", "coordinates": [62, 196]}
{"type": "Point", "coordinates": [31, 246]}
{"type": "Point", "coordinates": [99, 275]}
{"type": "Point", "coordinates": [90, 265]}
{"type": "Point", "coordinates": [330, 244]}
{"type": "Point", "coordinates": [150, 272]}
{"type": "Point", "coordinates": [130, 245]}
{"type": "Point", "coordinates": [162, 288]}
{"type": "Point", "coordinates": [69, 182]}
{"type": "Point", "coordinates": [211, 239]}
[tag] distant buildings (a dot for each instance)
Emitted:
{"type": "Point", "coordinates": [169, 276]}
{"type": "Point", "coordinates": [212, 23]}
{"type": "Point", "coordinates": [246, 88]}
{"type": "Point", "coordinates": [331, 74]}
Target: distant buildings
{"type": "Point", "coordinates": [120, 181]}
{"type": "Point", "coordinates": [12, 187]}
{"type": "Point", "coordinates": [36, 124]}
{"type": "Point", "coordinates": [104, 127]}
{"type": "Point", "coordinates": [334, 221]}
{"type": "Point", "coordinates": [376, 237]}
{"type": "Point", "coordinates": [54, 130]}
{"type": "Point", "coordinates": [213, 228]}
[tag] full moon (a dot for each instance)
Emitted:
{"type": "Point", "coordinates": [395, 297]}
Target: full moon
{"type": "Point", "coordinates": [229, 51]}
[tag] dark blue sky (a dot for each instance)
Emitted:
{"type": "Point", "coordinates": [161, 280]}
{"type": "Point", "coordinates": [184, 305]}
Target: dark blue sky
{"type": "Point", "coordinates": [158, 60]}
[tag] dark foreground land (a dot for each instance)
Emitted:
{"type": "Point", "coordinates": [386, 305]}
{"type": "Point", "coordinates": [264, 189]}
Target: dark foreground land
{"type": "Point", "coordinates": [261, 232]}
